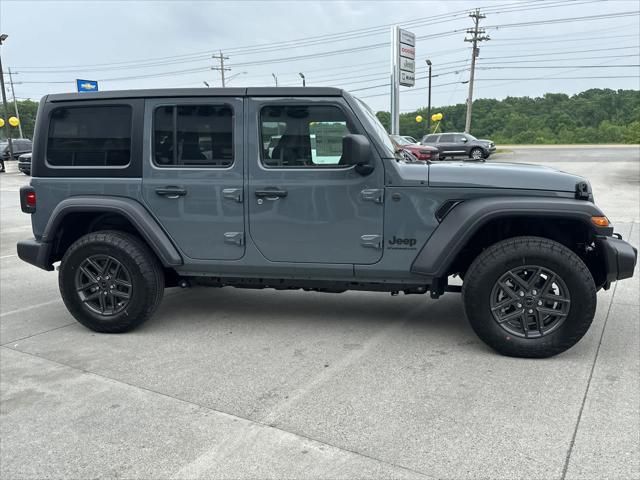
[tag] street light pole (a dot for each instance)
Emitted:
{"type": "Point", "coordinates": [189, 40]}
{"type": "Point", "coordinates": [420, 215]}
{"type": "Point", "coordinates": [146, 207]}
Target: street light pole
{"type": "Point", "coordinates": [429, 103]}
{"type": "Point", "coordinates": [3, 37]}
{"type": "Point", "coordinates": [304, 80]}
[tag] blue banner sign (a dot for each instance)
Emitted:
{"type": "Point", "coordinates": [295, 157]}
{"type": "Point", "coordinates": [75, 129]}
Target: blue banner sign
{"type": "Point", "coordinates": [87, 85]}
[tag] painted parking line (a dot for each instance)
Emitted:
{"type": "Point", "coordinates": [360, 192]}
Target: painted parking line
{"type": "Point", "coordinates": [8, 256]}
{"type": "Point", "coordinates": [30, 307]}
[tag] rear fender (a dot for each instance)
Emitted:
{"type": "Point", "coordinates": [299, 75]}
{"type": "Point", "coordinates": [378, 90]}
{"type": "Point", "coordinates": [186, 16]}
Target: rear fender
{"type": "Point", "coordinates": [133, 211]}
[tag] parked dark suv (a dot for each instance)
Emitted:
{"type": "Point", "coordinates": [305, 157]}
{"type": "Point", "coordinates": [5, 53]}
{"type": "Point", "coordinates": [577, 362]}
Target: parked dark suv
{"type": "Point", "coordinates": [19, 145]}
{"type": "Point", "coordinates": [24, 163]}
{"type": "Point", "coordinates": [302, 188]}
{"type": "Point", "coordinates": [460, 145]}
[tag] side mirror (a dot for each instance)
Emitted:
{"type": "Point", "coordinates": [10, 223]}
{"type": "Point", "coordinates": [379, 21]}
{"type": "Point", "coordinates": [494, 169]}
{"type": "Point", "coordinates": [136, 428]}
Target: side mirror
{"type": "Point", "coordinates": [465, 139]}
{"type": "Point", "coordinates": [356, 150]}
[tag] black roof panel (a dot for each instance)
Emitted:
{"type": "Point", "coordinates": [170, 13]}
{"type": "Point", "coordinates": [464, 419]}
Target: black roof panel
{"type": "Point", "coordinates": [199, 92]}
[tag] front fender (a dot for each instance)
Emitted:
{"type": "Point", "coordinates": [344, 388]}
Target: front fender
{"type": "Point", "coordinates": [461, 223]}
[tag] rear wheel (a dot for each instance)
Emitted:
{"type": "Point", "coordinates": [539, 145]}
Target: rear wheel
{"type": "Point", "coordinates": [110, 281]}
{"type": "Point", "coordinates": [529, 297]}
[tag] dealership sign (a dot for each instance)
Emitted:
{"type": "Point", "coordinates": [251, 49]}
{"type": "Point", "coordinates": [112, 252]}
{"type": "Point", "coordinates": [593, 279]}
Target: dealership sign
{"type": "Point", "coordinates": [87, 85]}
{"type": "Point", "coordinates": [403, 70]}
{"type": "Point", "coordinates": [407, 56]}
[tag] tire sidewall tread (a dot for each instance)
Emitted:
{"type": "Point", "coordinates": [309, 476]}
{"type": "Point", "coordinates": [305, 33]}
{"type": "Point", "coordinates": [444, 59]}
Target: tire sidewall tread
{"type": "Point", "coordinates": [507, 254]}
{"type": "Point", "coordinates": [146, 273]}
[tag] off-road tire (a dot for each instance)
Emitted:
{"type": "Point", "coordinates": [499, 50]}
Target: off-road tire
{"type": "Point", "coordinates": [146, 273]}
{"type": "Point", "coordinates": [515, 252]}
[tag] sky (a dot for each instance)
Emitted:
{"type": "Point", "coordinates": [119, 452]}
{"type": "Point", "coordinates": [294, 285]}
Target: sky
{"type": "Point", "coordinates": [535, 47]}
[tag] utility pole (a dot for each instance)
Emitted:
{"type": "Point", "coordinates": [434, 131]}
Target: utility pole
{"type": "Point", "coordinates": [15, 103]}
{"type": "Point", "coordinates": [222, 68]}
{"type": "Point", "coordinates": [477, 35]}
{"type": "Point", "coordinates": [429, 100]}
{"type": "Point", "coordinates": [3, 37]}
{"type": "Point", "coordinates": [275, 78]}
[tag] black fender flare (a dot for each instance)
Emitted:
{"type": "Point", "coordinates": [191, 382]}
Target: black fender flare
{"type": "Point", "coordinates": [133, 211]}
{"type": "Point", "coordinates": [467, 217]}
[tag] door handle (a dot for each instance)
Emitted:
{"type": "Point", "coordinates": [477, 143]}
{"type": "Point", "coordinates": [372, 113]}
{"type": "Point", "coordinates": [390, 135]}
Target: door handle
{"type": "Point", "coordinates": [171, 192]}
{"type": "Point", "coordinates": [271, 194]}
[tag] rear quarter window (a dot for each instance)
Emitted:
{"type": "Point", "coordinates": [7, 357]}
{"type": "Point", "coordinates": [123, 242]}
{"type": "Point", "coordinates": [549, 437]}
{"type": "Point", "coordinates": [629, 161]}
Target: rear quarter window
{"type": "Point", "coordinates": [89, 136]}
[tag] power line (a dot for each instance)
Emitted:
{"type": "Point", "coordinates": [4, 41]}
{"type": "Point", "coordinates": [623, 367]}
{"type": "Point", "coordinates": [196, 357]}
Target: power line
{"type": "Point", "coordinates": [564, 40]}
{"type": "Point", "coordinates": [306, 41]}
{"type": "Point", "coordinates": [559, 66]}
{"type": "Point", "coordinates": [558, 78]}
{"type": "Point", "coordinates": [565, 20]}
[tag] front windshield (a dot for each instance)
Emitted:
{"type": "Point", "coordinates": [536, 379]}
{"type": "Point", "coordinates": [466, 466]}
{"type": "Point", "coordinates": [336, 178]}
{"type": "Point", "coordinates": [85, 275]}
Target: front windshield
{"type": "Point", "coordinates": [470, 137]}
{"type": "Point", "coordinates": [400, 140]}
{"type": "Point", "coordinates": [378, 129]}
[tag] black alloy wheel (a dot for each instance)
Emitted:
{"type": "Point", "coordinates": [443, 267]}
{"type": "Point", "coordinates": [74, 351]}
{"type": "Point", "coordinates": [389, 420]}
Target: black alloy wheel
{"type": "Point", "coordinates": [530, 301]}
{"type": "Point", "coordinates": [103, 285]}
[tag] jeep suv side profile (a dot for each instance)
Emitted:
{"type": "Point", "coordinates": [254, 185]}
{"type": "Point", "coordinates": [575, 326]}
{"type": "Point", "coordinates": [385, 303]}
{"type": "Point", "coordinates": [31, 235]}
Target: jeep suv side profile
{"type": "Point", "coordinates": [302, 188]}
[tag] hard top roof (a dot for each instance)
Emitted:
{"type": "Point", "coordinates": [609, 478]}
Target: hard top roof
{"type": "Point", "coordinates": [201, 92]}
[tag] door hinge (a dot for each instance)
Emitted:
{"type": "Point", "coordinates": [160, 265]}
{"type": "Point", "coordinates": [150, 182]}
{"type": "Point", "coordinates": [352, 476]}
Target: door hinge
{"type": "Point", "coordinates": [371, 241]}
{"type": "Point", "coordinates": [233, 194]}
{"type": "Point", "coordinates": [234, 238]}
{"type": "Point", "coordinates": [373, 195]}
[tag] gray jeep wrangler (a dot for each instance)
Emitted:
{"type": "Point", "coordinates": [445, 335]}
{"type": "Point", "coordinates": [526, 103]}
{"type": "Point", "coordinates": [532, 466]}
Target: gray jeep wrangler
{"type": "Point", "coordinates": [301, 188]}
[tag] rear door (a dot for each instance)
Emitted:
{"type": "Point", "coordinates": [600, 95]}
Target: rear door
{"type": "Point", "coordinates": [193, 174]}
{"type": "Point", "coordinates": [304, 205]}
{"type": "Point", "coordinates": [460, 142]}
{"type": "Point", "coordinates": [446, 145]}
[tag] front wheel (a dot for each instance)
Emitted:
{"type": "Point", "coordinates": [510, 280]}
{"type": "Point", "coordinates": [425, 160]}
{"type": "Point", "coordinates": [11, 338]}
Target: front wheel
{"type": "Point", "coordinates": [477, 154]}
{"type": "Point", "coordinates": [529, 297]}
{"type": "Point", "coordinates": [110, 281]}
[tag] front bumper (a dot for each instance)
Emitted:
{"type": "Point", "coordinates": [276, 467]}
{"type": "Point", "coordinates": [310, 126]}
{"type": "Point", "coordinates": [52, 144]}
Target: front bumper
{"type": "Point", "coordinates": [620, 258]}
{"type": "Point", "coordinates": [36, 253]}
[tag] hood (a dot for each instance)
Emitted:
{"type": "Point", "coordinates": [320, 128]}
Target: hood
{"type": "Point", "coordinates": [417, 146]}
{"type": "Point", "coordinates": [501, 175]}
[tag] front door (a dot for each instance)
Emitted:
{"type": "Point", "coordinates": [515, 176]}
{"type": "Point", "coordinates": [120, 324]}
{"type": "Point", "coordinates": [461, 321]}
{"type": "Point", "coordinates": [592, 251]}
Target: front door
{"type": "Point", "coordinates": [304, 205]}
{"type": "Point", "coordinates": [193, 174]}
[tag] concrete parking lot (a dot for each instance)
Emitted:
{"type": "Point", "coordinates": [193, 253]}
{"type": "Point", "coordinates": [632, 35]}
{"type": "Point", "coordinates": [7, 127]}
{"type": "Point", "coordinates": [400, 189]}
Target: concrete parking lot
{"type": "Point", "coordinates": [226, 383]}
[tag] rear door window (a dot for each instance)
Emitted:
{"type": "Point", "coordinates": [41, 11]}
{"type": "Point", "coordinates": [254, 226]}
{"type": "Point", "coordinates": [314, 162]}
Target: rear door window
{"type": "Point", "coordinates": [91, 136]}
{"type": "Point", "coordinates": [430, 139]}
{"type": "Point", "coordinates": [446, 138]}
{"type": "Point", "coordinates": [193, 136]}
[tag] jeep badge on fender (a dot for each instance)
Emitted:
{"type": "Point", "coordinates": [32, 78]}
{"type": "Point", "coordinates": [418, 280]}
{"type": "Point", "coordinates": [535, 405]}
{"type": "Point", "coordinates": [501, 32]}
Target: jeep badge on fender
{"type": "Point", "coordinates": [286, 188]}
{"type": "Point", "coordinates": [402, 242]}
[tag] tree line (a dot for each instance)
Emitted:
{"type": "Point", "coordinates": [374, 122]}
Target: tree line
{"type": "Point", "coordinates": [592, 116]}
{"type": "Point", "coordinates": [27, 110]}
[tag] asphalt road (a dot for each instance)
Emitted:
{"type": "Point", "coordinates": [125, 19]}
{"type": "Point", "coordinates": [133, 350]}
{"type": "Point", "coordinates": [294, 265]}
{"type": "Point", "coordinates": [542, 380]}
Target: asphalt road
{"type": "Point", "coordinates": [262, 384]}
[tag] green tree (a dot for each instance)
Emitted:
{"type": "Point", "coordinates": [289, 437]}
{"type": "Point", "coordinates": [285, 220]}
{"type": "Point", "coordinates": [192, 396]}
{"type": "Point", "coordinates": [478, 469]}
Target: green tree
{"type": "Point", "coordinates": [592, 116]}
{"type": "Point", "coordinates": [27, 110]}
